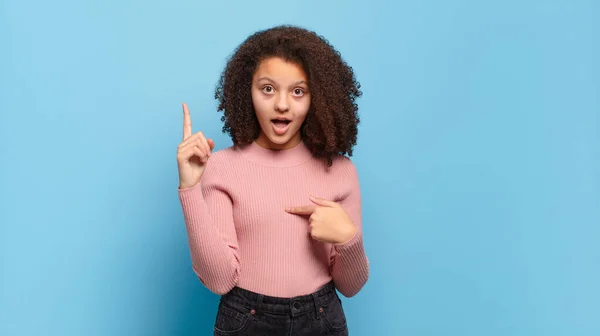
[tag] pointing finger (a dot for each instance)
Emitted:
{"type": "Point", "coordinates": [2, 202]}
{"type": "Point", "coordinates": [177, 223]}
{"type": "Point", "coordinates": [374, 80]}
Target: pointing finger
{"type": "Point", "coordinates": [187, 122]}
{"type": "Point", "coordinates": [302, 210]}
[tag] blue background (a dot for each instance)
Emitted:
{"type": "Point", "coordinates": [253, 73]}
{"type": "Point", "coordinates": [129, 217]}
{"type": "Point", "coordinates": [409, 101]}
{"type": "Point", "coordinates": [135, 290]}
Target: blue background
{"type": "Point", "coordinates": [479, 157]}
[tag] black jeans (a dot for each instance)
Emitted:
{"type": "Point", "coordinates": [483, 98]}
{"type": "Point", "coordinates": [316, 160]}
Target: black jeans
{"type": "Point", "coordinates": [242, 312]}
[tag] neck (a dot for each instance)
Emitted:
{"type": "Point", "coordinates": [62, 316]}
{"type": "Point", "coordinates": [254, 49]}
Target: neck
{"type": "Point", "coordinates": [270, 157]}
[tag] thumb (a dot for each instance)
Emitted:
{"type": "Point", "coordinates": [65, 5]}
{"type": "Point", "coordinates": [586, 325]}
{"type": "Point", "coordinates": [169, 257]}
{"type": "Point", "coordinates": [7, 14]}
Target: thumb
{"type": "Point", "coordinates": [211, 143]}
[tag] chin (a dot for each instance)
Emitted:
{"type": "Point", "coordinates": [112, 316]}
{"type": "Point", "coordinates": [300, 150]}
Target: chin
{"type": "Point", "coordinates": [280, 141]}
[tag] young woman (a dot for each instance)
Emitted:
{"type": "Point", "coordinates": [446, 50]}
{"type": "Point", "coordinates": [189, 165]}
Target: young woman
{"type": "Point", "coordinates": [274, 221]}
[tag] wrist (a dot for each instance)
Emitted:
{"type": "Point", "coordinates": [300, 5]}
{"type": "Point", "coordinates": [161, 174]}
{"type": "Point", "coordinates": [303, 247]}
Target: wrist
{"type": "Point", "coordinates": [348, 233]}
{"type": "Point", "coordinates": [186, 185]}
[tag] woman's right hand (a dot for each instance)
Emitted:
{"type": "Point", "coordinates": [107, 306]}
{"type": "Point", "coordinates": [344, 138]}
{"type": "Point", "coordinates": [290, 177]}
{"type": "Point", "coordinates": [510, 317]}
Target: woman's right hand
{"type": "Point", "coordinates": [192, 153]}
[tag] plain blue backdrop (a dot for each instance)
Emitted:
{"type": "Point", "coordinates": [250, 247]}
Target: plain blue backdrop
{"type": "Point", "coordinates": [479, 159]}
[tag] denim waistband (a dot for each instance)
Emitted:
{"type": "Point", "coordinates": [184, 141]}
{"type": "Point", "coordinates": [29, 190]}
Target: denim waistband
{"type": "Point", "coordinates": [283, 306]}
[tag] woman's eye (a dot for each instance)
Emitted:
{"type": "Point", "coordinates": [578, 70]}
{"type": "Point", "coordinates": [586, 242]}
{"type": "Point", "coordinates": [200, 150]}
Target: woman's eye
{"type": "Point", "coordinates": [298, 92]}
{"type": "Point", "coordinates": [268, 89]}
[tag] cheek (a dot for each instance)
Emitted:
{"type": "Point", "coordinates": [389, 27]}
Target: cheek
{"type": "Point", "coordinates": [302, 108]}
{"type": "Point", "coordinates": [260, 106]}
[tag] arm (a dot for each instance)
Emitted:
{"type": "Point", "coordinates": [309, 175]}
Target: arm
{"type": "Point", "coordinates": [349, 263]}
{"type": "Point", "coordinates": [212, 239]}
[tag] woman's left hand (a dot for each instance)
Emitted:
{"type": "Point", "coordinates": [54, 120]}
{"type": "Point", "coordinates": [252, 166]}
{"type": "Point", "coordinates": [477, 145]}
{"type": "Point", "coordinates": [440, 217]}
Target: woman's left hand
{"type": "Point", "coordinates": [328, 221]}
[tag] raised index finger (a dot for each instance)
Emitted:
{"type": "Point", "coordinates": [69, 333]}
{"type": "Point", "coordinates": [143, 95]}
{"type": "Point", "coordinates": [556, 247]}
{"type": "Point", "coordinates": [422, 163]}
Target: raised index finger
{"type": "Point", "coordinates": [187, 122]}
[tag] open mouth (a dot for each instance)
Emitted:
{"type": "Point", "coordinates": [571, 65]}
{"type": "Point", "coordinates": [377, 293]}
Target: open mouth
{"type": "Point", "coordinates": [280, 125]}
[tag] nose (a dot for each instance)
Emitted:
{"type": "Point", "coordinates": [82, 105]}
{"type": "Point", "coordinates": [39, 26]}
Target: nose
{"type": "Point", "coordinates": [282, 104]}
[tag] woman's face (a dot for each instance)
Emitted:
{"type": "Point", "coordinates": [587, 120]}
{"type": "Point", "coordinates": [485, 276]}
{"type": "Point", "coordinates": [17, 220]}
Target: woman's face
{"type": "Point", "coordinates": [281, 101]}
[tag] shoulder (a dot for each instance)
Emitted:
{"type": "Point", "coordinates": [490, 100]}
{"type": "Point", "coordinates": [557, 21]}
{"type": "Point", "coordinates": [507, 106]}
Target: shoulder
{"type": "Point", "coordinates": [344, 166]}
{"type": "Point", "coordinates": [222, 164]}
{"type": "Point", "coordinates": [345, 174]}
{"type": "Point", "coordinates": [346, 178]}
{"type": "Point", "coordinates": [223, 154]}
{"type": "Point", "coordinates": [227, 156]}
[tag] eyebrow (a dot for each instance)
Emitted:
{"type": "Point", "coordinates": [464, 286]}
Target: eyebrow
{"type": "Point", "coordinates": [270, 80]}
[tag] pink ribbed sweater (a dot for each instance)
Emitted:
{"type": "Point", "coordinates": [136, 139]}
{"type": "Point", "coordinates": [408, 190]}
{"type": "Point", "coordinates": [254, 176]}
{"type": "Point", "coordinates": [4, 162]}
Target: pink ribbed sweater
{"type": "Point", "coordinates": [240, 235]}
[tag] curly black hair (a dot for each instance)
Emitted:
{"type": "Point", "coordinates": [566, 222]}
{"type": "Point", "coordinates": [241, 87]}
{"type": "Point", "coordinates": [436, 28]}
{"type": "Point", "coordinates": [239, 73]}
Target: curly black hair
{"type": "Point", "coordinates": [331, 124]}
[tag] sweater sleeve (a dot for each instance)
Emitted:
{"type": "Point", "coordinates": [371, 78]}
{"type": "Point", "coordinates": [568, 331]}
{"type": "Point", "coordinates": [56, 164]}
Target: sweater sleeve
{"type": "Point", "coordinates": [349, 263]}
{"type": "Point", "coordinates": [208, 215]}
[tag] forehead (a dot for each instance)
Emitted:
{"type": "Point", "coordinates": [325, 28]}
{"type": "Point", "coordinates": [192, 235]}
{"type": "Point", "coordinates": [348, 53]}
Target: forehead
{"type": "Point", "coordinates": [279, 70]}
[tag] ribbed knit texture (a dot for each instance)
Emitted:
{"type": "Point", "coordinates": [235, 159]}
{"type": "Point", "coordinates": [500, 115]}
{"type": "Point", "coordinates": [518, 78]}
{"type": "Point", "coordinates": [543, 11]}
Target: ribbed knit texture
{"type": "Point", "coordinates": [240, 235]}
